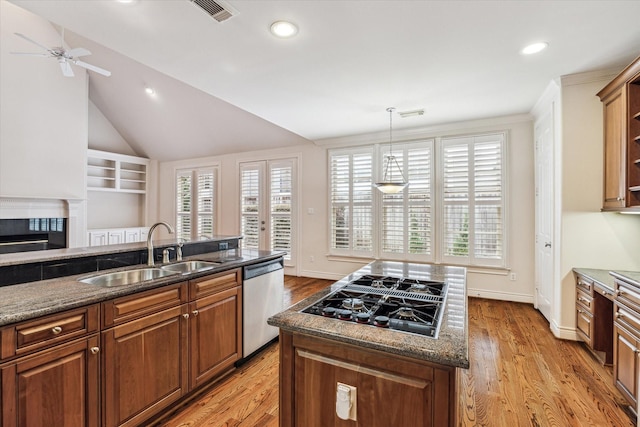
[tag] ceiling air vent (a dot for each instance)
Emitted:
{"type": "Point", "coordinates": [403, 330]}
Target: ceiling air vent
{"type": "Point", "coordinates": [219, 10]}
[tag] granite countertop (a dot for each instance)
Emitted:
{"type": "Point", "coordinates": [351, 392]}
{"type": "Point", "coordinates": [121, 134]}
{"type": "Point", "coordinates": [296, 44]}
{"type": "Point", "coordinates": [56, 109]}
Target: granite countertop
{"type": "Point", "coordinates": [34, 299]}
{"type": "Point", "coordinates": [605, 278]}
{"type": "Point", "coordinates": [70, 253]}
{"type": "Point", "coordinates": [450, 348]}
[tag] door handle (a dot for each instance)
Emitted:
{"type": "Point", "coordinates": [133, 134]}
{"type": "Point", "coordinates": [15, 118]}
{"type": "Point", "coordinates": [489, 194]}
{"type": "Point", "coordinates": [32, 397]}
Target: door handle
{"type": "Point", "coordinates": [547, 245]}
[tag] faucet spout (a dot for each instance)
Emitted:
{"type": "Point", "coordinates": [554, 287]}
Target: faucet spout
{"type": "Point", "coordinates": [150, 260]}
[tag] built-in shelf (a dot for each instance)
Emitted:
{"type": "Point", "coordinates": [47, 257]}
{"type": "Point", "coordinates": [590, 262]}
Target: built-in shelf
{"type": "Point", "coordinates": [116, 172]}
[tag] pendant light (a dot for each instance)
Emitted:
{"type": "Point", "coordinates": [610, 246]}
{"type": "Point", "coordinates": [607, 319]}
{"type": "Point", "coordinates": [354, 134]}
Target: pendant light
{"type": "Point", "coordinates": [393, 180]}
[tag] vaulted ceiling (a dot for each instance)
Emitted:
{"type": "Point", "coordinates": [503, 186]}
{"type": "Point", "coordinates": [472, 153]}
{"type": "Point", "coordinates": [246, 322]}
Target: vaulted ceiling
{"type": "Point", "coordinates": [232, 86]}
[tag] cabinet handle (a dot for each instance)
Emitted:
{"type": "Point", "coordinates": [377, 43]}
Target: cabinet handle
{"type": "Point", "coordinates": [580, 311]}
{"type": "Point", "coordinates": [186, 315]}
{"type": "Point", "coordinates": [619, 315]}
{"type": "Point", "coordinates": [94, 350]}
{"type": "Point", "coordinates": [56, 330]}
{"type": "Point", "coordinates": [195, 312]}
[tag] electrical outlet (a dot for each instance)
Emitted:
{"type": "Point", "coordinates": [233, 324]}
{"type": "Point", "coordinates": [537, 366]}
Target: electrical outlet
{"type": "Point", "coordinates": [223, 246]}
{"type": "Point", "coordinates": [312, 258]}
{"type": "Point", "coordinates": [513, 277]}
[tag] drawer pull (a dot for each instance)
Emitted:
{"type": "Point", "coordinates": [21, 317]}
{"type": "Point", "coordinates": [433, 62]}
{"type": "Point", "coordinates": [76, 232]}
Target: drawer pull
{"type": "Point", "coordinates": [186, 315]}
{"type": "Point", "coordinates": [195, 312]}
{"type": "Point", "coordinates": [56, 330]}
{"type": "Point", "coordinates": [94, 350]}
{"type": "Point", "coordinates": [619, 315]}
{"type": "Point", "coordinates": [583, 299]}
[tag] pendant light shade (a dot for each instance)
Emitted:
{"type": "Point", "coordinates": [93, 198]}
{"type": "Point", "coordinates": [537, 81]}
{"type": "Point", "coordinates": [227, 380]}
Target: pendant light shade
{"type": "Point", "coordinates": [393, 179]}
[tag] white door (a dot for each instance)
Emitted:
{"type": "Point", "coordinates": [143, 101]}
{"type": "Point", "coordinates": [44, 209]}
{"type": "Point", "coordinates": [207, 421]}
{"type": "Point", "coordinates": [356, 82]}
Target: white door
{"type": "Point", "coordinates": [268, 206]}
{"type": "Point", "coordinates": [544, 142]}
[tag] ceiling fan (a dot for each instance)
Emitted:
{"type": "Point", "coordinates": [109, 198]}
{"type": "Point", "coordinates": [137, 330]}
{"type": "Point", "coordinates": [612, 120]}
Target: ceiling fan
{"type": "Point", "coordinates": [64, 57]}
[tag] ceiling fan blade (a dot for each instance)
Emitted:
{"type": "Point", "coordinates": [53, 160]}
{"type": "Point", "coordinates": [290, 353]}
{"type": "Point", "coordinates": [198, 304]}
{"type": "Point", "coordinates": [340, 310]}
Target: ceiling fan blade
{"type": "Point", "coordinates": [32, 41]}
{"type": "Point", "coordinates": [77, 52]}
{"type": "Point", "coordinates": [30, 54]}
{"type": "Point", "coordinates": [65, 67]}
{"type": "Point", "coordinates": [92, 68]}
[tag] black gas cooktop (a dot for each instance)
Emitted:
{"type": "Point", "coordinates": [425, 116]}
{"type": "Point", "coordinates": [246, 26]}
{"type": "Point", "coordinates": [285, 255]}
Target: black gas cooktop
{"type": "Point", "coordinates": [402, 304]}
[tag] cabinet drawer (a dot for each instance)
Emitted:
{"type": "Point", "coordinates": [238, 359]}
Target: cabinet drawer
{"type": "Point", "coordinates": [584, 324]}
{"type": "Point", "coordinates": [131, 307]}
{"type": "Point", "coordinates": [584, 284]}
{"type": "Point", "coordinates": [627, 294]}
{"type": "Point", "coordinates": [629, 318]}
{"type": "Point", "coordinates": [43, 332]}
{"type": "Point", "coordinates": [584, 299]}
{"type": "Point", "coordinates": [214, 283]}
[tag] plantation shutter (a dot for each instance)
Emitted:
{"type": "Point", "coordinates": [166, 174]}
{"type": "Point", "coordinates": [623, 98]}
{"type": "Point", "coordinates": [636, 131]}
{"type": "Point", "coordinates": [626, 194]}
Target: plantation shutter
{"type": "Point", "coordinates": [183, 204]}
{"type": "Point", "coordinates": [206, 196]}
{"type": "Point", "coordinates": [473, 200]}
{"type": "Point", "coordinates": [351, 200]}
{"type": "Point", "coordinates": [281, 183]}
{"type": "Point", "coordinates": [195, 203]}
{"type": "Point", "coordinates": [250, 206]}
{"type": "Point", "coordinates": [406, 216]}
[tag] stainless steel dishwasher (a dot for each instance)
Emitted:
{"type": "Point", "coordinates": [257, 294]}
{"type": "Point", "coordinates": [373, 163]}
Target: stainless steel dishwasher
{"type": "Point", "coordinates": [262, 293]}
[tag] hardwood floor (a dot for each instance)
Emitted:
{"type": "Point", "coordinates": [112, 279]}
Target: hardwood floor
{"type": "Point", "coordinates": [520, 375]}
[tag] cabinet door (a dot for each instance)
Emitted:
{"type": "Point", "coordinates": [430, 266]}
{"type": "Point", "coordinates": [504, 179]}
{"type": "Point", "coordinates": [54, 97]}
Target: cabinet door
{"type": "Point", "coordinates": [56, 387]}
{"type": "Point", "coordinates": [413, 394]}
{"type": "Point", "coordinates": [625, 364]}
{"type": "Point", "coordinates": [97, 238]}
{"type": "Point", "coordinates": [115, 237]}
{"type": "Point", "coordinates": [132, 235]}
{"type": "Point", "coordinates": [215, 334]}
{"type": "Point", "coordinates": [145, 366]}
{"type": "Point", "coordinates": [615, 136]}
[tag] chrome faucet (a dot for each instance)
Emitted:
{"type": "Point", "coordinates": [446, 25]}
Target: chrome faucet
{"type": "Point", "coordinates": [150, 260]}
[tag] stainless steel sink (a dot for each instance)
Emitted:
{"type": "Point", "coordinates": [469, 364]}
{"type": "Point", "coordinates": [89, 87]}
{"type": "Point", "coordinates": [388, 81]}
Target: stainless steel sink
{"type": "Point", "coordinates": [128, 277]}
{"type": "Point", "coordinates": [189, 266]}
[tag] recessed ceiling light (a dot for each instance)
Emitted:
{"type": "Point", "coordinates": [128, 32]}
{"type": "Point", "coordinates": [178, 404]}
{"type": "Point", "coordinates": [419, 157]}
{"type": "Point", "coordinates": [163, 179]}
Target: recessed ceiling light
{"type": "Point", "coordinates": [534, 48]}
{"type": "Point", "coordinates": [283, 29]}
{"type": "Point", "coordinates": [149, 90]}
{"type": "Point", "coordinates": [126, 1]}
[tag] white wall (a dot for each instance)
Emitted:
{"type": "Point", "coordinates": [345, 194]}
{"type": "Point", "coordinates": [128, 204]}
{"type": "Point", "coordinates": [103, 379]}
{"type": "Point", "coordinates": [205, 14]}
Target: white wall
{"type": "Point", "coordinates": [103, 136]}
{"type": "Point", "coordinates": [43, 115]}
{"type": "Point", "coordinates": [313, 228]}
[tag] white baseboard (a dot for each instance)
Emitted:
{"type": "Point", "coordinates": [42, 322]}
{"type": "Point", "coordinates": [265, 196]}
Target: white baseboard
{"type": "Point", "coordinates": [502, 296]}
{"type": "Point", "coordinates": [563, 333]}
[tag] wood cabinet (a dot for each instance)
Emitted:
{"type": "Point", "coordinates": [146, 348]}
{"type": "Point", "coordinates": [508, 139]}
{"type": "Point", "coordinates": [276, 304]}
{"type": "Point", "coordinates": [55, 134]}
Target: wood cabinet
{"type": "Point", "coordinates": [594, 317]}
{"type": "Point", "coordinates": [144, 355]}
{"type": "Point", "coordinates": [52, 376]}
{"type": "Point", "coordinates": [161, 344]}
{"type": "Point", "coordinates": [215, 325]}
{"type": "Point", "coordinates": [627, 340]}
{"type": "Point", "coordinates": [621, 105]}
{"type": "Point", "coordinates": [390, 390]}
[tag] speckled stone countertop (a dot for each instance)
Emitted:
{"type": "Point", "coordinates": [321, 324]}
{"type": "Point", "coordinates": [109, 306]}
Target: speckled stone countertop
{"type": "Point", "coordinates": [605, 277]}
{"type": "Point", "coordinates": [450, 348]}
{"type": "Point", "coordinates": [34, 299]}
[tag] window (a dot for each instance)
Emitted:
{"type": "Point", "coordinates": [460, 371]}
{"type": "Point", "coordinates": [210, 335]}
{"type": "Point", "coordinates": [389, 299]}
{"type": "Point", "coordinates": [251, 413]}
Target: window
{"type": "Point", "coordinates": [458, 220]}
{"type": "Point", "coordinates": [473, 200]}
{"type": "Point", "coordinates": [195, 202]}
{"type": "Point", "coordinates": [266, 205]}
{"type": "Point", "coordinates": [351, 194]}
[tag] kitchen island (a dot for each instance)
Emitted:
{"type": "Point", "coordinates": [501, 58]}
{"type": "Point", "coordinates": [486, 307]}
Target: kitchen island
{"type": "Point", "coordinates": [332, 371]}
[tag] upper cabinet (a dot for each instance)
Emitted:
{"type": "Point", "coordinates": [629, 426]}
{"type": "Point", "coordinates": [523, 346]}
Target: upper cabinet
{"type": "Point", "coordinates": [116, 172]}
{"type": "Point", "coordinates": [621, 100]}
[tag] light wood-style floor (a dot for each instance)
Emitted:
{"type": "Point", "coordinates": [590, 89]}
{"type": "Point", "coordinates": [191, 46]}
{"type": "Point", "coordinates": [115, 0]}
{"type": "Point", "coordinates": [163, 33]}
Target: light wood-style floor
{"type": "Point", "coordinates": [520, 375]}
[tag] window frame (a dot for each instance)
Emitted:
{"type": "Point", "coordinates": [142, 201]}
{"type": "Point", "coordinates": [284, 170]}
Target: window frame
{"type": "Point", "coordinates": [436, 201]}
{"type": "Point", "coordinates": [194, 214]}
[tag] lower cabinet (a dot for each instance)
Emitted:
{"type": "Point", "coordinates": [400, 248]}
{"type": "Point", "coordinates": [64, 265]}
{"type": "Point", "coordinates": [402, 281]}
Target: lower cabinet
{"type": "Point", "coordinates": [54, 387]}
{"type": "Point", "coordinates": [412, 393]}
{"type": "Point", "coordinates": [145, 367]}
{"type": "Point", "coordinates": [216, 334]}
{"type": "Point", "coordinates": [626, 364]}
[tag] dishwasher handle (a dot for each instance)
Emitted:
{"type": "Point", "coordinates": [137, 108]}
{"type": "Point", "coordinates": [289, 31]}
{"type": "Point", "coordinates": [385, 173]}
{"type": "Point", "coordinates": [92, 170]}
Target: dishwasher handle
{"type": "Point", "coordinates": [262, 268]}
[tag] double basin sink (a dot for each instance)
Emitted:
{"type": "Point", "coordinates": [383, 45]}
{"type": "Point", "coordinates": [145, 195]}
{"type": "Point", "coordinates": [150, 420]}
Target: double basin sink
{"type": "Point", "coordinates": [129, 277]}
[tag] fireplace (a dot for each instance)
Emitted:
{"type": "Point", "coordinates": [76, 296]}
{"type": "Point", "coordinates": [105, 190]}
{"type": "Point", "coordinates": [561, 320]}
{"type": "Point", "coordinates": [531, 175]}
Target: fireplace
{"type": "Point", "coordinates": [32, 234]}
{"type": "Point", "coordinates": [34, 224]}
